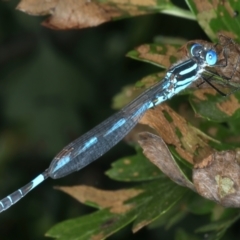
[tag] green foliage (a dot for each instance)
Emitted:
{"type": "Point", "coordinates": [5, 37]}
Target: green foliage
{"type": "Point", "coordinates": [160, 204]}
{"type": "Point", "coordinates": [153, 200]}
{"type": "Point", "coordinates": [134, 168]}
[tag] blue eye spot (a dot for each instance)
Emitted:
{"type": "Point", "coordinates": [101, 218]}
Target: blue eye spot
{"type": "Point", "coordinates": [211, 57]}
{"type": "Point", "coordinates": [196, 49]}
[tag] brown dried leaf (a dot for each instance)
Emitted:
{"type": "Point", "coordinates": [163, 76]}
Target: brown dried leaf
{"type": "Point", "coordinates": [105, 199]}
{"type": "Point", "coordinates": [201, 94]}
{"type": "Point", "coordinates": [219, 178]}
{"type": "Point", "coordinates": [133, 136]}
{"type": "Point", "coordinates": [190, 143]}
{"type": "Point", "coordinates": [155, 149]}
{"type": "Point", "coordinates": [159, 55]}
{"type": "Point", "coordinates": [69, 14]}
{"type": "Point", "coordinates": [37, 7]}
{"type": "Point", "coordinates": [230, 106]}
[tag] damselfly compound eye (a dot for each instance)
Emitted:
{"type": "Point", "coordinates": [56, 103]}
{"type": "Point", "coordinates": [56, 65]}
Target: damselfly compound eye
{"type": "Point", "coordinates": [196, 49]}
{"type": "Point", "coordinates": [211, 57]}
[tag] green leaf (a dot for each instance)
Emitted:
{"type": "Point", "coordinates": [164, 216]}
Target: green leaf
{"type": "Point", "coordinates": [217, 15]}
{"type": "Point", "coordinates": [210, 105]}
{"type": "Point", "coordinates": [162, 196]}
{"type": "Point", "coordinates": [199, 206]}
{"type": "Point", "coordinates": [134, 168]}
{"type": "Point", "coordinates": [97, 225]}
{"type": "Point", "coordinates": [224, 133]}
{"type": "Point", "coordinates": [183, 235]}
{"type": "Point", "coordinates": [170, 218]}
{"type": "Point", "coordinates": [161, 55]}
{"type": "Point", "coordinates": [218, 228]}
{"type": "Point", "coordinates": [151, 200]}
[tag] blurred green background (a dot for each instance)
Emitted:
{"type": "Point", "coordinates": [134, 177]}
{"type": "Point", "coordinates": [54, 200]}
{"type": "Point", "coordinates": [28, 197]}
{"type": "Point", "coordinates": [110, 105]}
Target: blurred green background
{"type": "Point", "coordinates": [55, 86]}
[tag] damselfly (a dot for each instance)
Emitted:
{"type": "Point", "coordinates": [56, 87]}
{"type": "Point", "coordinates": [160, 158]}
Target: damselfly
{"type": "Point", "coordinates": [103, 137]}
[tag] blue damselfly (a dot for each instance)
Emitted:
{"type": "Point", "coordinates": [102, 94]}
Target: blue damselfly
{"type": "Point", "coordinates": [103, 137]}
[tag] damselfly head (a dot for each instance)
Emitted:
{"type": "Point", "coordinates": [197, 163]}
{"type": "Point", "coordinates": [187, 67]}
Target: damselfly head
{"type": "Point", "coordinates": [205, 53]}
{"type": "Point", "coordinates": [209, 56]}
{"type": "Point", "coordinates": [199, 51]}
